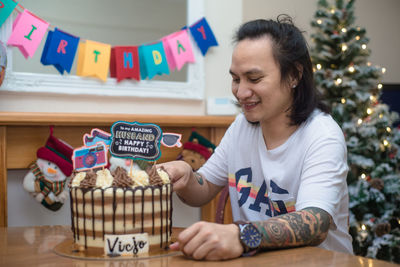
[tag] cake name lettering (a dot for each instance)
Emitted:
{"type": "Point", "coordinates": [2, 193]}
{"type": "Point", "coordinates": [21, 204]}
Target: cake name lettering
{"type": "Point", "coordinates": [126, 244]}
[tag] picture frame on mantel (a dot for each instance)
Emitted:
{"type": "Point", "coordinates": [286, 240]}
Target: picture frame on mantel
{"type": "Point", "coordinates": [192, 88]}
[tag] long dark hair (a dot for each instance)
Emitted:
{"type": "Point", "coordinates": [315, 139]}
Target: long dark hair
{"type": "Point", "coordinates": [290, 51]}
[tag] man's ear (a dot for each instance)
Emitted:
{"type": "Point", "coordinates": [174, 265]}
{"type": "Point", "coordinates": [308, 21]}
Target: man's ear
{"type": "Point", "coordinates": [295, 79]}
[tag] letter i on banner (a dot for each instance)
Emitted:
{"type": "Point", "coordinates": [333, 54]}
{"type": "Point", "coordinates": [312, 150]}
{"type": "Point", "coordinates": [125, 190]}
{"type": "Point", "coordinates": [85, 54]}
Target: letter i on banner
{"type": "Point", "coordinates": [125, 63]}
{"type": "Point", "coordinates": [93, 59]}
{"type": "Point", "coordinates": [6, 8]}
{"type": "Point", "coordinates": [28, 31]}
{"type": "Point", "coordinates": [59, 50]}
{"type": "Point", "coordinates": [203, 35]}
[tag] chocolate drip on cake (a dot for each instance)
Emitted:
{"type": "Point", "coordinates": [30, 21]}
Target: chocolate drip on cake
{"type": "Point", "coordinates": [108, 210]}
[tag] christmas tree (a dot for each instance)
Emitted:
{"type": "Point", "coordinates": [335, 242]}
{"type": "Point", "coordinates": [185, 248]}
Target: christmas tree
{"type": "Point", "coordinates": [351, 87]}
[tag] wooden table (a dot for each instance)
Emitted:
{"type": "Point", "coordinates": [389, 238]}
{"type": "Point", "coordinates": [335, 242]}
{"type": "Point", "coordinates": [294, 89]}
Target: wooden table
{"type": "Point", "coordinates": [33, 246]}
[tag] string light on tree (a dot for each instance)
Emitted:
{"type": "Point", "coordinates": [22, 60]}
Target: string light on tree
{"type": "Point", "coordinates": [319, 22]}
{"type": "Point", "coordinates": [351, 85]}
{"type": "Point", "coordinates": [319, 66]}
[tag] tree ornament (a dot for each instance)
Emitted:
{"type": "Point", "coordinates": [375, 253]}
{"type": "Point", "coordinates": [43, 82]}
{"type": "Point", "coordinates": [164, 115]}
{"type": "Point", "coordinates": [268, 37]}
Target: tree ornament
{"type": "Point", "coordinates": [377, 183]}
{"type": "Point", "coordinates": [382, 229]}
{"type": "Point", "coordinates": [47, 176]}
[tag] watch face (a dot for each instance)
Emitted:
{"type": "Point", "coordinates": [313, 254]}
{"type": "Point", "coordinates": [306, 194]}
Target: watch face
{"type": "Point", "coordinates": [250, 236]}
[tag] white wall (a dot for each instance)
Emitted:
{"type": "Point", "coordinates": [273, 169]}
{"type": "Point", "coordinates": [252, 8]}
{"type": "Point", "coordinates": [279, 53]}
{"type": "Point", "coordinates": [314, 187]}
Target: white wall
{"type": "Point", "coordinates": [22, 208]}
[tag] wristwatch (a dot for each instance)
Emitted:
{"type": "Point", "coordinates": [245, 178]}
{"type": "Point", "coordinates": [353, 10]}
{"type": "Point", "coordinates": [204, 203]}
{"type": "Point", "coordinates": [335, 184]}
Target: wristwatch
{"type": "Point", "coordinates": [249, 237]}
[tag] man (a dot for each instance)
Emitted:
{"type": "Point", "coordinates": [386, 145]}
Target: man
{"type": "Point", "coordinates": [284, 157]}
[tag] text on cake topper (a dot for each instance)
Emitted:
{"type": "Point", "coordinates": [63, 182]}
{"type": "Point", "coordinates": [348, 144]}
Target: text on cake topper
{"type": "Point", "coordinates": [136, 140]}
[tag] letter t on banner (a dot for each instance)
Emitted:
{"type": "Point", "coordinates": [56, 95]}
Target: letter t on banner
{"type": "Point", "coordinates": [28, 31]}
{"type": "Point", "coordinates": [93, 59]}
{"type": "Point", "coordinates": [125, 63]}
{"type": "Point", "coordinates": [6, 8]}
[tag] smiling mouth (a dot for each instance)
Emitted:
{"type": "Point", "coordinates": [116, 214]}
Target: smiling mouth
{"type": "Point", "coordinates": [249, 106]}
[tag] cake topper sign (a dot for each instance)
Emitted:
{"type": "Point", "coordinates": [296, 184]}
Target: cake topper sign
{"type": "Point", "coordinates": [136, 140]}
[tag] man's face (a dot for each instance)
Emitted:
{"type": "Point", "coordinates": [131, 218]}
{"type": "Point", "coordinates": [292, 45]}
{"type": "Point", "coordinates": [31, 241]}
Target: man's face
{"type": "Point", "coordinates": [256, 82]}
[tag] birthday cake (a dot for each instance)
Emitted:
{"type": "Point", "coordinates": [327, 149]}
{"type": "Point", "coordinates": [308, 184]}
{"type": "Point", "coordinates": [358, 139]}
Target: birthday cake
{"type": "Point", "coordinates": [120, 204]}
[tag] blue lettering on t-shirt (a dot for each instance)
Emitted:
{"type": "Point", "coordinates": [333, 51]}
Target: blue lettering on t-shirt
{"type": "Point", "coordinates": [244, 191]}
{"type": "Point", "coordinates": [262, 196]}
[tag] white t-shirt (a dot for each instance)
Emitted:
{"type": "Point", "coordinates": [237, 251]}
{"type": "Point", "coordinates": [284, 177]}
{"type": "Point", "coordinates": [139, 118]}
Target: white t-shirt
{"type": "Point", "coordinates": [308, 170]}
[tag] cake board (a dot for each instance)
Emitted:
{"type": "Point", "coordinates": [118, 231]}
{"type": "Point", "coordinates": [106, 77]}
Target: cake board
{"type": "Point", "coordinates": [68, 249]}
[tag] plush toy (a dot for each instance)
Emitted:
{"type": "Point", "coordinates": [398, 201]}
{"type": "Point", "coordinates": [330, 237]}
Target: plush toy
{"type": "Point", "coordinates": [47, 176]}
{"type": "Point", "coordinates": [197, 150]}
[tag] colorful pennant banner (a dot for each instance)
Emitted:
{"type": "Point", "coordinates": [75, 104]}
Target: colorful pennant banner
{"type": "Point", "coordinates": [95, 59]}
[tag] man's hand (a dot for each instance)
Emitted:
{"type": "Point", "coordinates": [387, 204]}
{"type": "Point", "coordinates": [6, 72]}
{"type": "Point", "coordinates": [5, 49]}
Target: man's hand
{"type": "Point", "coordinates": [179, 172]}
{"type": "Point", "coordinates": [190, 186]}
{"type": "Point", "coordinates": [209, 241]}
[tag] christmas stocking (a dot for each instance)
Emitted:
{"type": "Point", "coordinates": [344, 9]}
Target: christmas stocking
{"type": "Point", "coordinates": [47, 176]}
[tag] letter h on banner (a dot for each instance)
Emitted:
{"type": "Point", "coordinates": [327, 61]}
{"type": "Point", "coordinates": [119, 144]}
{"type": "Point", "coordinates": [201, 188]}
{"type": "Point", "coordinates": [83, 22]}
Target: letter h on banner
{"type": "Point", "coordinates": [125, 63]}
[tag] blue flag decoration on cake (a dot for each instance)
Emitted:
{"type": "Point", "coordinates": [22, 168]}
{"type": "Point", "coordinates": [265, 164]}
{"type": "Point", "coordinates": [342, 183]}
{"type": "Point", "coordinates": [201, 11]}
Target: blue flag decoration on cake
{"type": "Point", "coordinates": [59, 50]}
{"type": "Point", "coordinates": [6, 8]}
{"type": "Point", "coordinates": [153, 60]}
{"type": "Point", "coordinates": [203, 35]}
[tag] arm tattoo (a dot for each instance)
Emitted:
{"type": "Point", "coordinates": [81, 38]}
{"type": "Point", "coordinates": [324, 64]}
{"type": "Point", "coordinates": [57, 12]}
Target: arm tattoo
{"type": "Point", "coordinates": [199, 178]}
{"type": "Point", "coordinates": [305, 227]}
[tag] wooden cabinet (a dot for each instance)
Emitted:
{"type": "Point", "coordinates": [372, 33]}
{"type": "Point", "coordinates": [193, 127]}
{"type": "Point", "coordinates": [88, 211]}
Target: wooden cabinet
{"type": "Point", "coordinates": [21, 134]}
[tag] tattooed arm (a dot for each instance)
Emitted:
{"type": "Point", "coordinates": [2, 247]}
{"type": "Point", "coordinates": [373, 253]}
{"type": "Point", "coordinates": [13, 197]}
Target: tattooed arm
{"type": "Point", "coordinates": [305, 227]}
{"type": "Point", "coordinates": [190, 186]}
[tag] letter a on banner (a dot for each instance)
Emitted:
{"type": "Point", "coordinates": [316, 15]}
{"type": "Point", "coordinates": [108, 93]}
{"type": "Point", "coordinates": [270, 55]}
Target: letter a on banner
{"type": "Point", "coordinates": [6, 8]}
{"type": "Point", "coordinates": [180, 48]}
{"type": "Point", "coordinates": [153, 60]}
{"type": "Point", "coordinates": [203, 35]}
{"type": "Point", "coordinates": [125, 63]}
{"type": "Point", "coordinates": [60, 50]}
{"type": "Point", "coordinates": [93, 59]}
{"type": "Point", "coordinates": [28, 31]}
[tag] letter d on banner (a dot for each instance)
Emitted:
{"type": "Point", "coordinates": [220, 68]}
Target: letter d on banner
{"type": "Point", "coordinates": [157, 57]}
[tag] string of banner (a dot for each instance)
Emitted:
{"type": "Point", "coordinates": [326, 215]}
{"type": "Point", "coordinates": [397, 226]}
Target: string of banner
{"type": "Point", "coordinates": [95, 59]}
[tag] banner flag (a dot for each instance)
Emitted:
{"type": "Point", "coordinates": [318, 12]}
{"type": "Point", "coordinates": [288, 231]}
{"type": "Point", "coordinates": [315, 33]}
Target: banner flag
{"type": "Point", "coordinates": [6, 8]}
{"type": "Point", "coordinates": [203, 35]}
{"type": "Point", "coordinates": [180, 48]}
{"type": "Point", "coordinates": [153, 60]}
{"type": "Point", "coordinates": [28, 31]}
{"type": "Point", "coordinates": [93, 59]}
{"type": "Point", "coordinates": [59, 50]}
{"type": "Point", "coordinates": [168, 53]}
{"type": "Point", "coordinates": [125, 63]}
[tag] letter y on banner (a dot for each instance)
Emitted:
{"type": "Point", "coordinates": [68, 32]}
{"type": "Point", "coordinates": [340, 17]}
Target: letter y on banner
{"type": "Point", "coordinates": [203, 35]}
{"type": "Point", "coordinates": [28, 31]}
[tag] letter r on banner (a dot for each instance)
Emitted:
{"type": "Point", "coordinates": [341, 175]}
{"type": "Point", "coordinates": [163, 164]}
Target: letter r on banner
{"type": "Point", "coordinates": [61, 47]}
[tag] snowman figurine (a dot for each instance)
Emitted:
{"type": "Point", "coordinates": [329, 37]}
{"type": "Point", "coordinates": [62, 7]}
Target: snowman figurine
{"type": "Point", "coordinates": [48, 174]}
